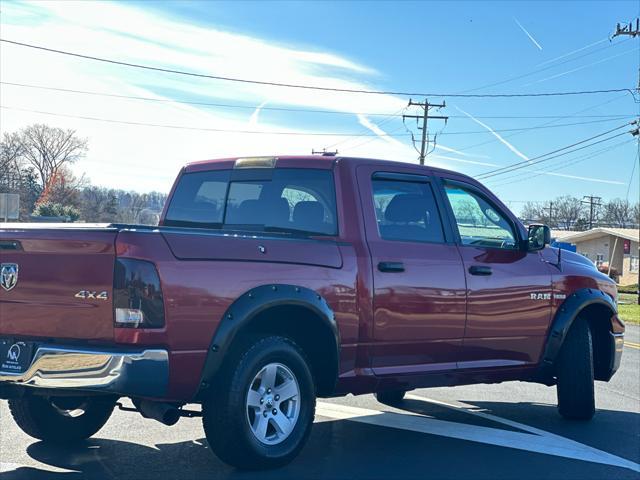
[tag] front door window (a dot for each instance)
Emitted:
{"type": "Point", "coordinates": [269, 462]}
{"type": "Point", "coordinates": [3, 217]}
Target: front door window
{"type": "Point", "coordinates": [479, 223]}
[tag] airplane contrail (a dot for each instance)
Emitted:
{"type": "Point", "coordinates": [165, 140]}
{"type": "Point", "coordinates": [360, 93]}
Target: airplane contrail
{"type": "Point", "coordinates": [253, 120]}
{"type": "Point", "coordinates": [495, 134]}
{"type": "Point", "coordinates": [458, 152]}
{"type": "Point", "coordinates": [528, 34]}
{"type": "Point", "coordinates": [365, 122]}
{"type": "Point", "coordinates": [472, 162]}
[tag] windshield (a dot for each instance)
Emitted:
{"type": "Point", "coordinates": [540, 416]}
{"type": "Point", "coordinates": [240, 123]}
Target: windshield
{"type": "Point", "coordinates": [279, 200]}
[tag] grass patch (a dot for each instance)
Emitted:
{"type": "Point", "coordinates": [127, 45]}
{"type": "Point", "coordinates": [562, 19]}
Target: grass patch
{"type": "Point", "coordinates": [632, 289]}
{"type": "Point", "coordinates": [628, 308]}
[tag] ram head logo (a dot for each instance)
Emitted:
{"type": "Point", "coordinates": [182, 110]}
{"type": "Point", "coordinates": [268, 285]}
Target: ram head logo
{"type": "Point", "coordinates": [8, 275]}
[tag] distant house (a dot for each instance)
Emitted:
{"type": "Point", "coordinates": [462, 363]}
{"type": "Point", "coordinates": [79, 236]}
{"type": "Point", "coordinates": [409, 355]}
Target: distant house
{"type": "Point", "coordinates": [616, 248]}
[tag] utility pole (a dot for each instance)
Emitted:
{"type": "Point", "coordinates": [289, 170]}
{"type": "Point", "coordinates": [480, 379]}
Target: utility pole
{"type": "Point", "coordinates": [592, 202]}
{"type": "Point", "coordinates": [628, 30]}
{"type": "Point", "coordinates": [631, 32]}
{"type": "Point", "coordinates": [550, 214]}
{"type": "Point", "coordinates": [424, 117]}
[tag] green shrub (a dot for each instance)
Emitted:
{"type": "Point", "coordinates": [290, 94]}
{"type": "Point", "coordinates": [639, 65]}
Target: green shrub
{"type": "Point", "coordinates": [56, 210]}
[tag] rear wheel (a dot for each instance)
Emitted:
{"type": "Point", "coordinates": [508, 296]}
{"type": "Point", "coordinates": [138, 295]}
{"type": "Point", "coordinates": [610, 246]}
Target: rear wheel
{"type": "Point", "coordinates": [61, 419]}
{"type": "Point", "coordinates": [576, 396]}
{"type": "Point", "coordinates": [391, 397]}
{"type": "Point", "coordinates": [261, 414]}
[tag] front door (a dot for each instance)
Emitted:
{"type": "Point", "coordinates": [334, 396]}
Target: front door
{"type": "Point", "coordinates": [508, 287]}
{"type": "Point", "coordinates": [418, 278]}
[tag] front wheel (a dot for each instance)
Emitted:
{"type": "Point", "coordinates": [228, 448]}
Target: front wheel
{"type": "Point", "coordinates": [576, 396]}
{"type": "Point", "coordinates": [390, 397]}
{"type": "Point", "coordinates": [61, 419]}
{"type": "Point", "coordinates": [261, 414]}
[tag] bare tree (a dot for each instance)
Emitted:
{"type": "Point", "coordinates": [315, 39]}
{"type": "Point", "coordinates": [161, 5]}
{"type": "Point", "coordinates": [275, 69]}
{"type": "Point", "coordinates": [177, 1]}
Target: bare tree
{"type": "Point", "coordinates": [11, 154]}
{"type": "Point", "coordinates": [567, 211]}
{"type": "Point", "coordinates": [537, 212]}
{"type": "Point", "coordinates": [47, 149]}
{"type": "Point", "coordinates": [132, 206]}
{"type": "Point", "coordinates": [98, 204]}
{"type": "Point", "coordinates": [618, 213]}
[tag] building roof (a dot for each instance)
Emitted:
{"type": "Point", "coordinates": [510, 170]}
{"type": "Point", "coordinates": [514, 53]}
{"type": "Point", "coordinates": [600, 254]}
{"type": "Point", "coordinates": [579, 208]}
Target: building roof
{"type": "Point", "coordinates": [632, 234]}
{"type": "Point", "coordinates": [560, 235]}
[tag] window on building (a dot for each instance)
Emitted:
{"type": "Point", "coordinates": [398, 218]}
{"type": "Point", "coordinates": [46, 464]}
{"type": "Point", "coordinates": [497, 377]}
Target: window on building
{"type": "Point", "coordinates": [635, 264]}
{"type": "Point", "coordinates": [599, 259]}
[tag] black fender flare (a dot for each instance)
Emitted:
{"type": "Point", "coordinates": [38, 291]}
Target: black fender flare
{"type": "Point", "coordinates": [564, 318]}
{"type": "Point", "coordinates": [250, 304]}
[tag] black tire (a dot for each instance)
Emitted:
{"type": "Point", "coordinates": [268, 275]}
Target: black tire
{"type": "Point", "coordinates": [576, 396]}
{"type": "Point", "coordinates": [51, 418]}
{"type": "Point", "coordinates": [390, 397]}
{"type": "Point", "coordinates": [226, 414]}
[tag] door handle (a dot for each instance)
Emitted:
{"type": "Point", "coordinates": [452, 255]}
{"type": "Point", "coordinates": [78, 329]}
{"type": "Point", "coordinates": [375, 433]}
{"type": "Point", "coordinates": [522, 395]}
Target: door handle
{"type": "Point", "coordinates": [391, 267]}
{"type": "Point", "coordinates": [480, 270]}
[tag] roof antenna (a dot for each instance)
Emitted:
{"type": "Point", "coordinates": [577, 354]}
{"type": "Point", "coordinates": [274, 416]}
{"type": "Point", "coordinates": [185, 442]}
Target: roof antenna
{"type": "Point", "coordinates": [324, 152]}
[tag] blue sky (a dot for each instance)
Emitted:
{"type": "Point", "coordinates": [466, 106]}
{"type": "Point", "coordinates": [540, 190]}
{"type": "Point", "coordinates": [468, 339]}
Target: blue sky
{"type": "Point", "coordinates": [447, 47]}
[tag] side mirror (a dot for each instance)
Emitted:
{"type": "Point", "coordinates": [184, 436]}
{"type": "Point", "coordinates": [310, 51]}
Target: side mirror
{"type": "Point", "coordinates": [539, 237]}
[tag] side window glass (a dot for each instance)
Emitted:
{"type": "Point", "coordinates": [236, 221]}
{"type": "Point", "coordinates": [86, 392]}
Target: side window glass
{"type": "Point", "coordinates": [199, 199]}
{"type": "Point", "coordinates": [294, 196]}
{"type": "Point", "coordinates": [406, 211]}
{"type": "Point", "coordinates": [479, 223]}
{"type": "Point", "coordinates": [243, 203]}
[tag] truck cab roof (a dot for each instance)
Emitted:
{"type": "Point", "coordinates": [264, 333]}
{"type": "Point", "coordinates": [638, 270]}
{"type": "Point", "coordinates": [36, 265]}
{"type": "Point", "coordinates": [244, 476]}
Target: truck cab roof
{"type": "Point", "coordinates": [305, 161]}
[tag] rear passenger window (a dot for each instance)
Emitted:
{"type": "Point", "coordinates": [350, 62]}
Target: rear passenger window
{"type": "Point", "coordinates": [199, 199]}
{"type": "Point", "coordinates": [406, 211]}
{"type": "Point", "coordinates": [288, 200]}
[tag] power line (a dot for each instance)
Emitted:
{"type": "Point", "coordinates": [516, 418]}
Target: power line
{"type": "Point", "coordinates": [529, 174]}
{"type": "Point", "coordinates": [352, 135]}
{"type": "Point", "coordinates": [546, 159]}
{"type": "Point", "coordinates": [531, 161]}
{"type": "Point", "coordinates": [187, 102]}
{"type": "Point", "coordinates": [539, 70]}
{"type": "Point", "coordinates": [633, 170]}
{"type": "Point", "coordinates": [285, 109]}
{"type": "Point", "coordinates": [493, 140]}
{"type": "Point", "coordinates": [183, 127]}
{"type": "Point", "coordinates": [311, 87]}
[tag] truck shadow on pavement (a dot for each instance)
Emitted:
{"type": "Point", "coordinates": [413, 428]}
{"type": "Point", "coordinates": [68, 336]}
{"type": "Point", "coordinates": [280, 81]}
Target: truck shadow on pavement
{"type": "Point", "coordinates": [347, 449]}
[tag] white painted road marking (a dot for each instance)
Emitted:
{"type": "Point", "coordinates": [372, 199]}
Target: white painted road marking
{"type": "Point", "coordinates": [536, 440]}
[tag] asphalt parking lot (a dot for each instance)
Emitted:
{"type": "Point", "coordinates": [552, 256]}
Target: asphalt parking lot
{"type": "Point", "coordinates": [509, 430]}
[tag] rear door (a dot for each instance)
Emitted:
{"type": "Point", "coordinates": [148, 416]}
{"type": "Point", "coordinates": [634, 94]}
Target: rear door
{"type": "Point", "coordinates": [508, 288]}
{"type": "Point", "coordinates": [57, 283]}
{"type": "Point", "coordinates": [419, 282]}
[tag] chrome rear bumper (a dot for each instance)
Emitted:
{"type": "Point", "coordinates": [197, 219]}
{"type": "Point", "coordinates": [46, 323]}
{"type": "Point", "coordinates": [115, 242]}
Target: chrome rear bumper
{"type": "Point", "coordinates": [142, 373]}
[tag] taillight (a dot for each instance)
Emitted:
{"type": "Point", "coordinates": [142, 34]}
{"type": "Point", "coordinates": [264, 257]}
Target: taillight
{"type": "Point", "coordinates": [137, 296]}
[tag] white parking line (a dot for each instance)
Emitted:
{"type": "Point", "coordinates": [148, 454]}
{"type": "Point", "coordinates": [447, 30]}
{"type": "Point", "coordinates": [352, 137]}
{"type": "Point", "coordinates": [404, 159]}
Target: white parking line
{"type": "Point", "coordinates": [535, 440]}
{"type": "Point", "coordinates": [8, 467]}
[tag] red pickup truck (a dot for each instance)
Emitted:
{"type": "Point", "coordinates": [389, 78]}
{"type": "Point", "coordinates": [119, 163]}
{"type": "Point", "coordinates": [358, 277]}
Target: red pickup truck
{"type": "Point", "coordinates": [271, 281]}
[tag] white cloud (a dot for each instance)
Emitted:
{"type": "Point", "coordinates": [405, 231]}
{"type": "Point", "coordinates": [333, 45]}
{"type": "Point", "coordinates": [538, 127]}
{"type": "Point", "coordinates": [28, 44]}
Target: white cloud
{"type": "Point", "coordinates": [144, 158]}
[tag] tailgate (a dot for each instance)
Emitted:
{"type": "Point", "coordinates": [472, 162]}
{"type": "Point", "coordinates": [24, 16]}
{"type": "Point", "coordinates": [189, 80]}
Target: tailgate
{"type": "Point", "coordinates": [57, 283]}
